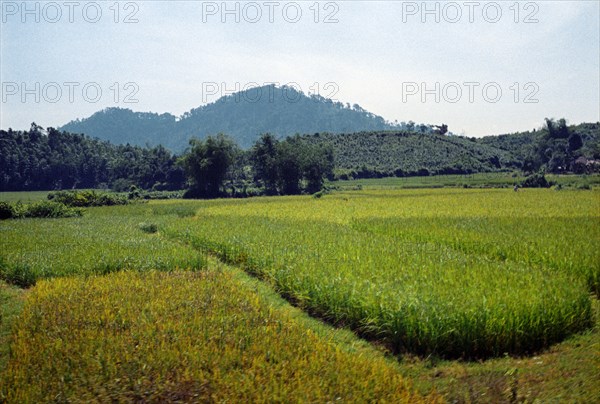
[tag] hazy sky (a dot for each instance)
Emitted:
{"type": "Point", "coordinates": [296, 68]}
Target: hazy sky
{"type": "Point", "coordinates": [65, 60]}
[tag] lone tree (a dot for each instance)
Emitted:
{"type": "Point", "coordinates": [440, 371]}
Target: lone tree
{"type": "Point", "coordinates": [441, 129]}
{"type": "Point", "coordinates": [206, 164]}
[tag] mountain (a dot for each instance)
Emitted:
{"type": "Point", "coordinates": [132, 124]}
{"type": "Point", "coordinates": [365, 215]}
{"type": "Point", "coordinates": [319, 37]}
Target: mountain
{"type": "Point", "coordinates": [244, 116]}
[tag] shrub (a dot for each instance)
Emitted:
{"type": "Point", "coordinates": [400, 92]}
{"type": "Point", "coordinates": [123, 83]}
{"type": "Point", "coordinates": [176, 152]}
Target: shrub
{"type": "Point", "coordinates": [86, 198]}
{"type": "Point", "coordinates": [537, 180]}
{"type": "Point", "coordinates": [134, 193]}
{"type": "Point", "coordinates": [19, 275]}
{"type": "Point", "coordinates": [148, 227]}
{"type": "Point", "coordinates": [6, 210]}
{"type": "Point", "coordinates": [50, 209]}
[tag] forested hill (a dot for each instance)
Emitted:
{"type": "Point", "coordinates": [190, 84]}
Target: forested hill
{"type": "Point", "coordinates": [408, 153]}
{"type": "Point", "coordinates": [403, 153]}
{"type": "Point", "coordinates": [244, 116]}
{"type": "Point", "coordinates": [524, 144]}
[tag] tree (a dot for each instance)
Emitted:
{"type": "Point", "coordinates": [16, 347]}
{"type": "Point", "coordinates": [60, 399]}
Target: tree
{"type": "Point", "coordinates": [317, 165]}
{"type": "Point", "coordinates": [441, 129]}
{"type": "Point", "coordinates": [206, 164]}
{"type": "Point", "coordinates": [284, 166]}
{"type": "Point", "coordinates": [289, 166]}
{"type": "Point", "coordinates": [575, 142]}
{"type": "Point", "coordinates": [264, 160]}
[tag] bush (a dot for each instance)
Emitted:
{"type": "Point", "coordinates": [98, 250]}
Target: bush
{"type": "Point", "coordinates": [49, 209]}
{"type": "Point", "coordinates": [148, 227]}
{"type": "Point", "coordinates": [86, 198]}
{"type": "Point", "coordinates": [44, 209]}
{"type": "Point", "coordinates": [6, 210]}
{"type": "Point", "coordinates": [19, 274]}
{"type": "Point", "coordinates": [537, 180]}
{"type": "Point", "coordinates": [162, 194]}
{"type": "Point", "coordinates": [134, 193]}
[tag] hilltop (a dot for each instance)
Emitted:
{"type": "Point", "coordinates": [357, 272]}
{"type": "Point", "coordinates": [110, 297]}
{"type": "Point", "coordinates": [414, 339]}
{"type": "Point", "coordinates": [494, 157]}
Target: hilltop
{"type": "Point", "coordinates": [245, 115]}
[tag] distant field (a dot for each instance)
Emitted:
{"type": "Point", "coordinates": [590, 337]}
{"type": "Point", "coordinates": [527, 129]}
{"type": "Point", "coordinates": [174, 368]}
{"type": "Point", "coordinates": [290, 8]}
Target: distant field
{"type": "Point", "coordinates": [468, 180]}
{"type": "Point", "coordinates": [31, 196]}
{"type": "Point", "coordinates": [426, 274]}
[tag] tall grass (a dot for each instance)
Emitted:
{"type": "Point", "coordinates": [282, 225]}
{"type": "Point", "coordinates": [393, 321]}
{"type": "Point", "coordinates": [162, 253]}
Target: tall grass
{"type": "Point", "coordinates": [104, 240]}
{"type": "Point", "coordinates": [421, 294]}
{"type": "Point", "coordinates": [182, 337]}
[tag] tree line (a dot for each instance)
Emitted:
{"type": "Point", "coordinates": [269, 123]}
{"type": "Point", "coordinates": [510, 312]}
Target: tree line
{"type": "Point", "coordinates": [40, 159]}
{"type": "Point", "coordinates": [558, 150]}
{"type": "Point", "coordinates": [48, 159]}
{"type": "Point", "coordinates": [216, 166]}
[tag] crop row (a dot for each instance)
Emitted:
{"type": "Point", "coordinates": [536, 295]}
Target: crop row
{"type": "Point", "coordinates": [419, 293]}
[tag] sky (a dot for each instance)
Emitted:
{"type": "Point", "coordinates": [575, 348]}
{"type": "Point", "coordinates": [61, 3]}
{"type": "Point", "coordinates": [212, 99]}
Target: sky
{"type": "Point", "coordinates": [481, 67]}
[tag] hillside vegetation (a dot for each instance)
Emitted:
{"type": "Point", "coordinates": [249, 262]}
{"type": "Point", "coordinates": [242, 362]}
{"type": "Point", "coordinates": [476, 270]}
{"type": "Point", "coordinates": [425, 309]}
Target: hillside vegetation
{"type": "Point", "coordinates": [385, 154]}
{"type": "Point", "coordinates": [244, 116]}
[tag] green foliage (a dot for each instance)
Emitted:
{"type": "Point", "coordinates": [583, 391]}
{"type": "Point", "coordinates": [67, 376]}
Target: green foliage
{"type": "Point", "coordinates": [537, 180]}
{"type": "Point", "coordinates": [405, 154]}
{"type": "Point", "coordinates": [86, 198]}
{"type": "Point", "coordinates": [44, 160]}
{"type": "Point", "coordinates": [148, 227]}
{"type": "Point", "coordinates": [41, 209]}
{"type": "Point", "coordinates": [282, 111]}
{"type": "Point", "coordinates": [560, 148]}
{"type": "Point", "coordinates": [283, 166]}
{"type": "Point", "coordinates": [264, 159]}
{"type": "Point", "coordinates": [49, 209]}
{"type": "Point", "coordinates": [206, 164]}
{"type": "Point", "coordinates": [6, 210]}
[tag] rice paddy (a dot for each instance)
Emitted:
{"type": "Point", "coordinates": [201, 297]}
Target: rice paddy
{"type": "Point", "coordinates": [130, 302]}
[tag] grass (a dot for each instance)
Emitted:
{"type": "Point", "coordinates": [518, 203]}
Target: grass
{"type": "Point", "coordinates": [478, 180]}
{"type": "Point", "coordinates": [566, 372]}
{"type": "Point", "coordinates": [105, 240]}
{"type": "Point", "coordinates": [213, 335]}
{"type": "Point", "coordinates": [26, 196]}
{"type": "Point", "coordinates": [418, 295]}
{"type": "Point", "coordinates": [11, 304]}
{"type": "Point", "coordinates": [439, 249]}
